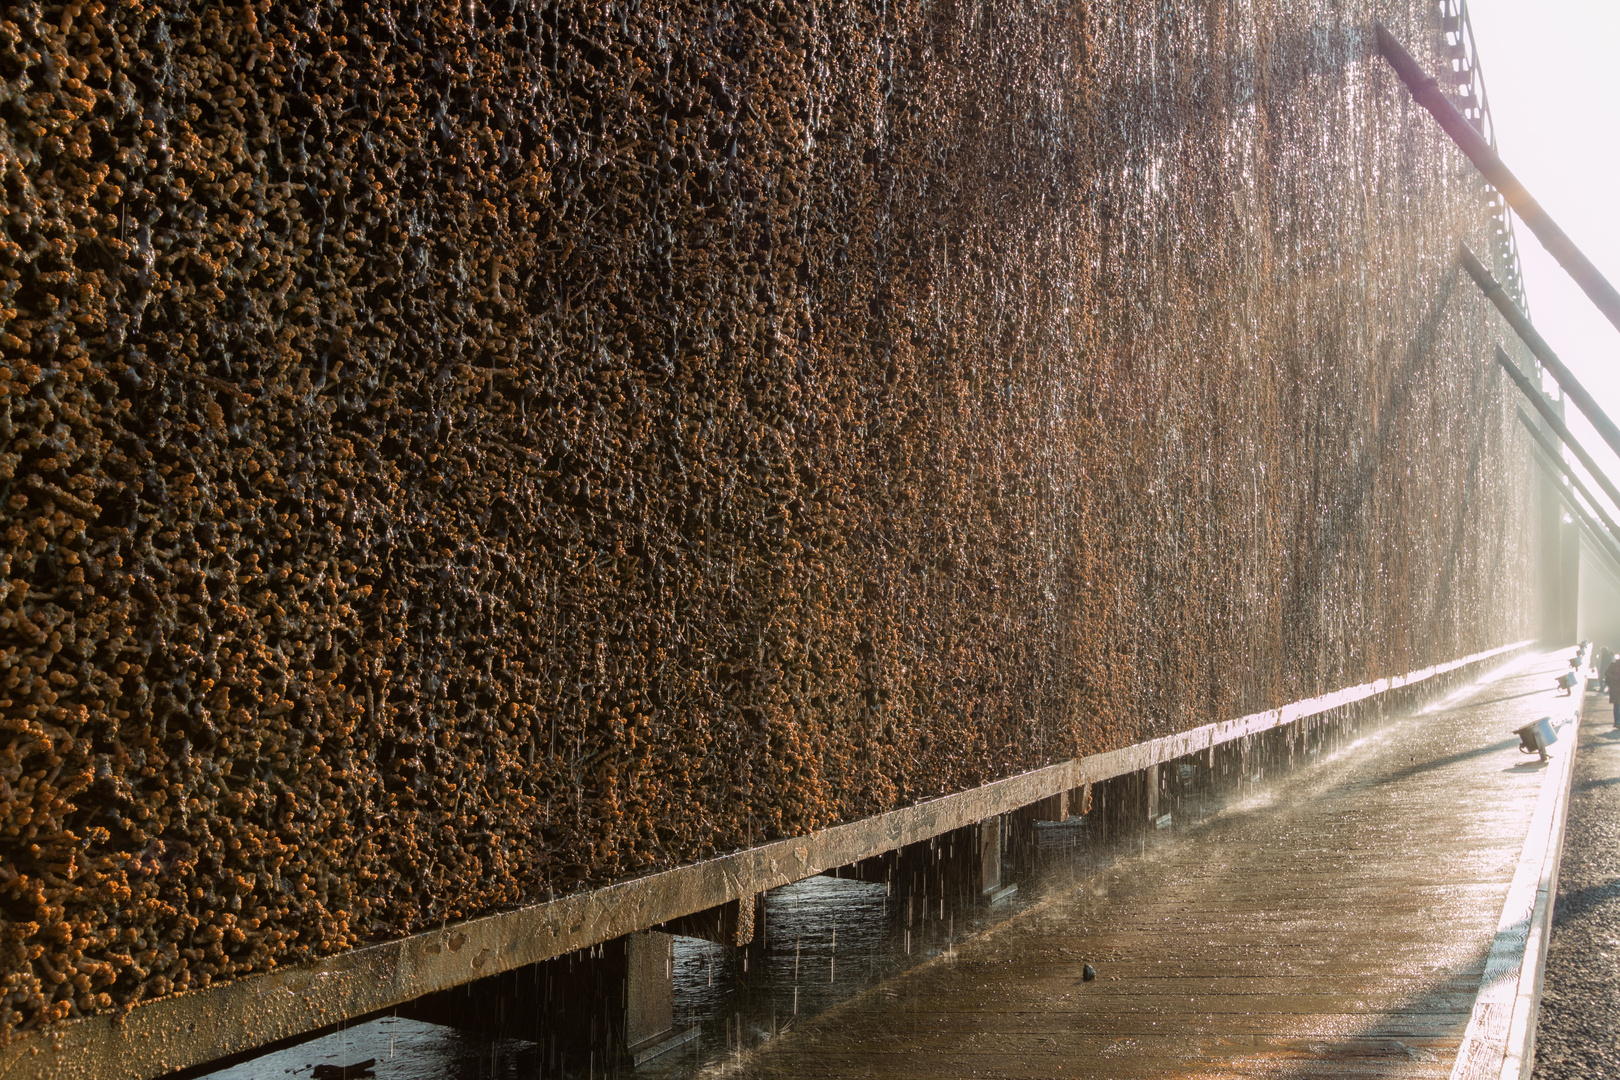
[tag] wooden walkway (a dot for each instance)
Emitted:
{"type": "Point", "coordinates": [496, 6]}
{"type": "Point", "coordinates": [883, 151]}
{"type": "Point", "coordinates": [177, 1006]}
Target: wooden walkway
{"type": "Point", "coordinates": [1338, 928]}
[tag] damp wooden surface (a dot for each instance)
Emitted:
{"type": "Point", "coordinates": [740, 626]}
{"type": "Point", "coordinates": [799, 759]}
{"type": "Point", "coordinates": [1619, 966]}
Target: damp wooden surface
{"type": "Point", "coordinates": [1337, 927]}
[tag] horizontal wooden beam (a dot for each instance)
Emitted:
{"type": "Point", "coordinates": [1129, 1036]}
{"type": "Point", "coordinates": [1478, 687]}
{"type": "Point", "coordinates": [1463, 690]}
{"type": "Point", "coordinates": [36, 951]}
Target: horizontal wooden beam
{"type": "Point", "coordinates": [191, 1029]}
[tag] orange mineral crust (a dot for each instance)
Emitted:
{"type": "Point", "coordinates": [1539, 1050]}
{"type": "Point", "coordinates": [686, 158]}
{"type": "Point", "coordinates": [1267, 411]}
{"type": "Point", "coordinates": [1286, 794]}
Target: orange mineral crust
{"type": "Point", "coordinates": [455, 454]}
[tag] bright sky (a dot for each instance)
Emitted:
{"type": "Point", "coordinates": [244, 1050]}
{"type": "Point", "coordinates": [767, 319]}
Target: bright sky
{"type": "Point", "coordinates": [1549, 73]}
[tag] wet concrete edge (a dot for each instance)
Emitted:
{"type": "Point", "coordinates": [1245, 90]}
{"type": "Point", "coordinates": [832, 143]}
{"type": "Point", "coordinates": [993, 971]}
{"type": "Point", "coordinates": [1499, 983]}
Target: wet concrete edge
{"type": "Point", "coordinates": [1499, 1042]}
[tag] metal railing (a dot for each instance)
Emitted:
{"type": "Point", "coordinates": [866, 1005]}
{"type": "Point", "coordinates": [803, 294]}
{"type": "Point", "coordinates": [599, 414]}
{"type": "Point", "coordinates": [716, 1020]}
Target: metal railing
{"type": "Point", "coordinates": [1466, 87]}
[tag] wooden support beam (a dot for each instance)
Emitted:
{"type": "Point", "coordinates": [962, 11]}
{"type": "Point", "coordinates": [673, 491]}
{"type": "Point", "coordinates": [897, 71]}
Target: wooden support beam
{"type": "Point", "coordinates": [190, 1029]}
{"type": "Point", "coordinates": [731, 923]}
{"type": "Point", "coordinates": [649, 998]}
{"type": "Point", "coordinates": [991, 832]}
{"type": "Point", "coordinates": [1052, 808]}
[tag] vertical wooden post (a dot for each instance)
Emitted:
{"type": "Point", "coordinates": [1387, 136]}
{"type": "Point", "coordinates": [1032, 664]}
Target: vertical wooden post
{"type": "Point", "coordinates": [990, 838]}
{"type": "Point", "coordinates": [1052, 808]}
{"type": "Point", "coordinates": [649, 988]}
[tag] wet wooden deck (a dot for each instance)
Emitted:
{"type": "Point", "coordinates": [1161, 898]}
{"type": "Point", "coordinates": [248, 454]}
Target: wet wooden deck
{"type": "Point", "coordinates": [1337, 928]}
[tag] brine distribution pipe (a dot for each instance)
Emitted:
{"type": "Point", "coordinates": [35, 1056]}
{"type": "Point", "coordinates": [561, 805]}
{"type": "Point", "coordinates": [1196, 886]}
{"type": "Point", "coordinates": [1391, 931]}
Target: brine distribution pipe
{"type": "Point", "coordinates": [1558, 244]}
{"type": "Point", "coordinates": [1517, 319]}
{"type": "Point", "coordinates": [1556, 422]}
{"type": "Point", "coordinates": [1583, 519]}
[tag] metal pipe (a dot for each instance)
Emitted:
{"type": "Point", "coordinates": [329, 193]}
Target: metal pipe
{"type": "Point", "coordinates": [1527, 333]}
{"type": "Point", "coordinates": [1582, 518]}
{"type": "Point", "coordinates": [1575, 481]}
{"type": "Point", "coordinates": [1556, 422]}
{"type": "Point", "coordinates": [1471, 142]}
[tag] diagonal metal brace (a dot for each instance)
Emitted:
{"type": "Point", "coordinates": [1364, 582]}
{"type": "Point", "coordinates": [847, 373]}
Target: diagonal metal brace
{"type": "Point", "coordinates": [1556, 422]}
{"type": "Point", "coordinates": [1558, 244]}
{"type": "Point", "coordinates": [1527, 333]}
